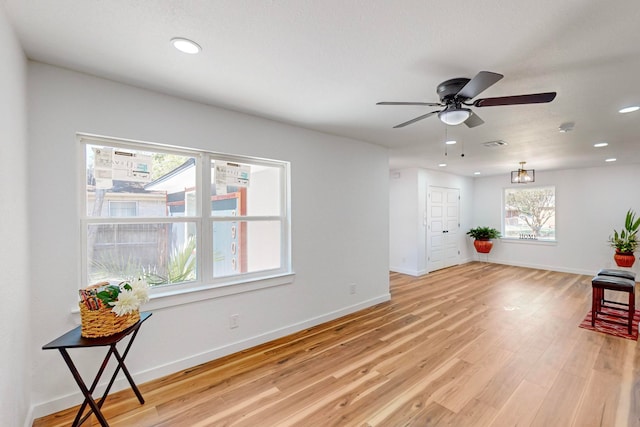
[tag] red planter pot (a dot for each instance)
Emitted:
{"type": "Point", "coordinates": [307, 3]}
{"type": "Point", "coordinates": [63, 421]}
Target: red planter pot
{"type": "Point", "coordinates": [483, 246]}
{"type": "Point", "coordinates": [624, 259]}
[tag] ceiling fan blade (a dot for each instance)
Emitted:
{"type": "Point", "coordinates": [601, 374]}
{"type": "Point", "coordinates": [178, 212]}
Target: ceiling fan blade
{"type": "Point", "coordinates": [424, 116]}
{"type": "Point", "coordinates": [428, 104]}
{"type": "Point", "coordinates": [482, 81]}
{"type": "Point", "coordinates": [473, 120]}
{"type": "Point", "coordinates": [534, 98]}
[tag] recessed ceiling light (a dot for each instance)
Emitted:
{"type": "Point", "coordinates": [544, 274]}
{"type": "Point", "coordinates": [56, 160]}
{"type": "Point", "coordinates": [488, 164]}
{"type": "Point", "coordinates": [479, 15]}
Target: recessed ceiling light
{"type": "Point", "coordinates": [476, 173]}
{"type": "Point", "coordinates": [450, 142]}
{"type": "Point", "coordinates": [442, 165]}
{"type": "Point", "coordinates": [185, 45]}
{"type": "Point", "coordinates": [601, 144]}
{"type": "Point", "coordinates": [630, 109]}
{"type": "Point", "coordinates": [613, 159]}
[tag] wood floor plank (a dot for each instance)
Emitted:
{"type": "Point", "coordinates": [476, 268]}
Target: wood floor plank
{"type": "Point", "coordinates": [548, 367]}
{"type": "Point", "coordinates": [475, 413]}
{"type": "Point", "coordinates": [474, 345]}
{"type": "Point", "coordinates": [468, 385]}
{"type": "Point", "coordinates": [522, 405]}
{"type": "Point", "coordinates": [599, 404]}
{"type": "Point", "coordinates": [398, 405]}
{"type": "Point", "coordinates": [505, 381]}
{"type": "Point", "coordinates": [582, 359]}
{"type": "Point", "coordinates": [562, 400]}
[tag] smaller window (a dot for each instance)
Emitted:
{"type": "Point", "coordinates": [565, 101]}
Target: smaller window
{"type": "Point", "coordinates": [530, 213]}
{"type": "Point", "coordinates": [122, 209]}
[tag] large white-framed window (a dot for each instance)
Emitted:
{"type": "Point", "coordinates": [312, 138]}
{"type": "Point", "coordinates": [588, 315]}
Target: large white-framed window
{"type": "Point", "coordinates": [529, 213]}
{"type": "Point", "coordinates": [184, 219]}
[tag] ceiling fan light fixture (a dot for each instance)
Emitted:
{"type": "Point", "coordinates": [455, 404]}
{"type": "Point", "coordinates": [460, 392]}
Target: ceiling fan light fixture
{"type": "Point", "coordinates": [454, 116]}
{"type": "Point", "coordinates": [522, 175]}
{"type": "Point", "coordinates": [456, 92]}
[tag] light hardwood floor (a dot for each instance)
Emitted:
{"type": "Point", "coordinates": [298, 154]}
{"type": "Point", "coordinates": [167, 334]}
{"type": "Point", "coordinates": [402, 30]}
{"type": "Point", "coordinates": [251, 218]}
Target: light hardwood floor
{"type": "Point", "coordinates": [472, 345]}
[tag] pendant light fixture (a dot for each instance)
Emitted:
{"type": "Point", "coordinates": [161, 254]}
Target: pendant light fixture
{"type": "Point", "coordinates": [522, 175]}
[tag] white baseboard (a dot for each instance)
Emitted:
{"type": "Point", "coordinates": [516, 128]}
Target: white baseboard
{"type": "Point", "coordinates": [407, 271]}
{"type": "Point", "coordinates": [67, 401]}
{"type": "Point", "coordinates": [545, 267]}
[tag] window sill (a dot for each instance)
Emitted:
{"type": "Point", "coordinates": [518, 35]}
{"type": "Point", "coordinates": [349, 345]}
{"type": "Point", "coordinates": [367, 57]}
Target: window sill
{"type": "Point", "coordinates": [167, 297]}
{"type": "Point", "coordinates": [529, 241]}
{"type": "Point", "coordinates": [173, 297]}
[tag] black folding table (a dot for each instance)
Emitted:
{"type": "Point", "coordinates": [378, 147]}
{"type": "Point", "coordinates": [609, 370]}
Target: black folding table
{"type": "Point", "coordinates": [73, 339]}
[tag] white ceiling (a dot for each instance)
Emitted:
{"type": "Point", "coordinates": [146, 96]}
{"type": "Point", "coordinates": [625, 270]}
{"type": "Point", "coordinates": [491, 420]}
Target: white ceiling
{"type": "Point", "coordinates": [323, 64]}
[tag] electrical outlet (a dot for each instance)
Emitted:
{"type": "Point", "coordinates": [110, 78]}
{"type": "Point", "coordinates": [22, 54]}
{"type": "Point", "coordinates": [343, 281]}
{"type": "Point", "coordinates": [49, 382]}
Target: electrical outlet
{"type": "Point", "coordinates": [234, 321]}
{"type": "Point", "coordinates": [352, 288]}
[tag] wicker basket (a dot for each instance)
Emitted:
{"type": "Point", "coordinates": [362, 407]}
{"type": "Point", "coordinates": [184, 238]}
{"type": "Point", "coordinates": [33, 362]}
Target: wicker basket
{"type": "Point", "coordinates": [103, 322]}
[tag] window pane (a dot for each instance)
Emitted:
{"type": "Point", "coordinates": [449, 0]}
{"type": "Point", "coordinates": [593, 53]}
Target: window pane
{"type": "Point", "coordinates": [155, 182]}
{"type": "Point", "coordinates": [163, 253]}
{"type": "Point", "coordinates": [530, 213]}
{"type": "Point", "coordinates": [245, 247]}
{"type": "Point", "coordinates": [256, 187]}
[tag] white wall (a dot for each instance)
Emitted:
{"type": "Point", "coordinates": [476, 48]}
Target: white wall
{"type": "Point", "coordinates": [15, 350]}
{"type": "Point", "coordinates": [590, 203]}
{"type": "Point", "coordinates": [404, 222]}
{"type": "Point", "coordinates": [408, 205]}
{"type": "Point", "coordinates": [339, 222]}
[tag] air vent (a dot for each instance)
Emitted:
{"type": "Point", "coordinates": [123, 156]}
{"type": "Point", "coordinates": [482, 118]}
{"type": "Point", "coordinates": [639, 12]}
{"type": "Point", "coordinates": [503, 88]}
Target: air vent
{"type": "Point", "coordinates": [498, 143]}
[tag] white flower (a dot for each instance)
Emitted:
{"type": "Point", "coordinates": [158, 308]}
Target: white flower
{"type": "Point", "coordinates": [127, 303]}
{"type": "Point", "coordinates": [140, 288]}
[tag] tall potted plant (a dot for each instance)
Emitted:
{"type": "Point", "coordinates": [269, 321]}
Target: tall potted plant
{"type": "Point", "coordinates": [625, 242]}
{"type": "Point", "coordinates": [483, 236]}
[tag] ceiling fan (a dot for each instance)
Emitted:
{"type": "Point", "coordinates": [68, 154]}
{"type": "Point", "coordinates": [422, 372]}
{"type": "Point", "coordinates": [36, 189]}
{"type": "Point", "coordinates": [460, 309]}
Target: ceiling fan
{"type": "Point", "coordinates": [455, 95]}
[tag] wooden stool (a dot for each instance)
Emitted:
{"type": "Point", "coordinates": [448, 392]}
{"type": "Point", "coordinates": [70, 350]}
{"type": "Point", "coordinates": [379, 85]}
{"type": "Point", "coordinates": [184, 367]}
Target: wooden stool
{"type": "Point", "coordinates": [598, 301]}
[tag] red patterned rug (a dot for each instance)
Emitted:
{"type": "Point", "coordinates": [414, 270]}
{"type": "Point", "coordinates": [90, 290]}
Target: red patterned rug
{"type": "Point", "coordinates": [617, 329]}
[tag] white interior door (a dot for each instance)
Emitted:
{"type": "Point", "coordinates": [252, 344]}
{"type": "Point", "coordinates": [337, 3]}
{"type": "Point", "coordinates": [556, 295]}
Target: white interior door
{"type": "Point", "coordinates": [443, 227]}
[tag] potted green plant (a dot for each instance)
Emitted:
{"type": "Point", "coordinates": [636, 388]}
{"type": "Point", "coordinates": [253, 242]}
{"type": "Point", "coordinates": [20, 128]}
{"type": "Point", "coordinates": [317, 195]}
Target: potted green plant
{"type": "Point", "coordinates": [625, 242]}
{"type": "Point", "coordinates": [483, 236]}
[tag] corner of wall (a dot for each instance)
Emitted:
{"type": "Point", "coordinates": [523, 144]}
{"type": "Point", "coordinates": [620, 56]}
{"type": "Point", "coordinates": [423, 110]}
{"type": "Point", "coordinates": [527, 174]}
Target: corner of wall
{"type": "Point", "coordinates": [15, 387]}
